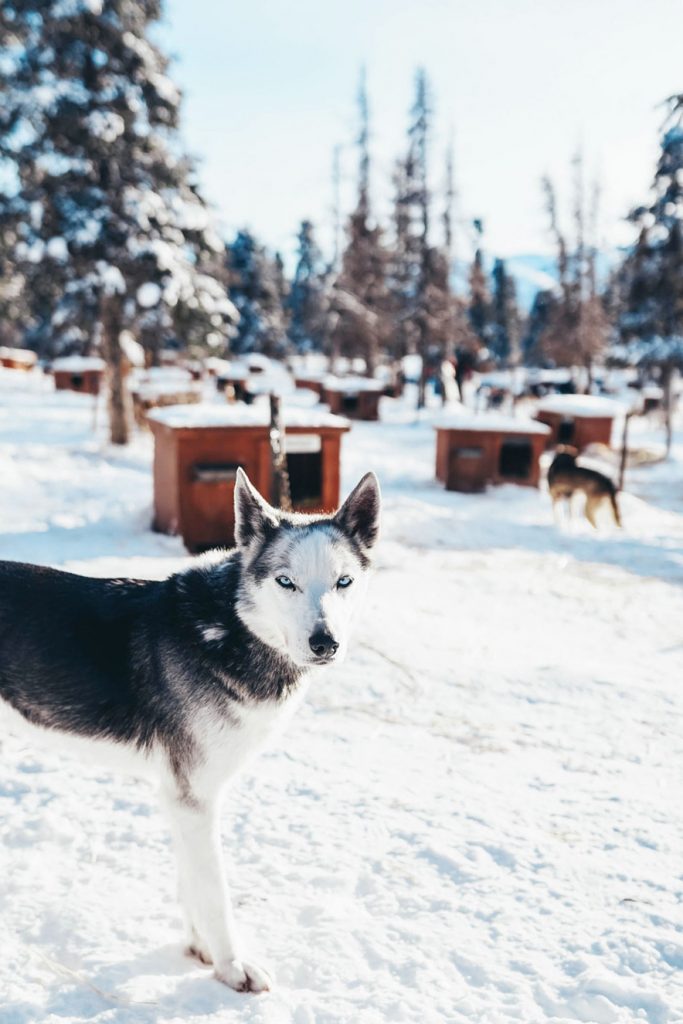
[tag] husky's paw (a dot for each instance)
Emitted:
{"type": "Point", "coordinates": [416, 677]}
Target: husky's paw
{"type": "Point", "coordinates": [195, 949]}
{"type": "Point", "coordinates": [244, 977]}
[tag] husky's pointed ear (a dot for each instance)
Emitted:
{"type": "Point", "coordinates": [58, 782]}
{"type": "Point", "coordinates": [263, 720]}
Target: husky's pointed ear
{"type": "Point", "coordinates": [253, 515]}
{"type": "Point", "coordinates": [359, 515]}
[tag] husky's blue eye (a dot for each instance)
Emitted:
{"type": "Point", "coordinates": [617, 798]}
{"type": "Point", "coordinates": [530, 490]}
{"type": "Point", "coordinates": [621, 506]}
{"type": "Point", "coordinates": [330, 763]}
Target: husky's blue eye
{"type": "Point", "coordinates": [285, 582]}
{"type": "Point", "coordinates": [344, 581]}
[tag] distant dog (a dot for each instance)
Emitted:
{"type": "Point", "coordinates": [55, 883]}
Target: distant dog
{"type": "Point", "coordinates": [184, 678]}
{"type": "Point", "coordinates": [565, 478]}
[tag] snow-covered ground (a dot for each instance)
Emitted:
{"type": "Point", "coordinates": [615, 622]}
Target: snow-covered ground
{"type": "Point", "coordinates": [479, 817]}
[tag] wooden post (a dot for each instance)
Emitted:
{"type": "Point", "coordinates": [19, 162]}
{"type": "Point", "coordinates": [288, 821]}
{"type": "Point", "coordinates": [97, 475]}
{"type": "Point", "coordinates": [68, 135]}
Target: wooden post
{"type": "Point", "coordinates": [667, 386]}
{"type": "Point", "coordinates": [624, 451]}
{"type": "Point", "coordinates": [120, 402]}
{"type": "Point", "coordinates": [281, 494]}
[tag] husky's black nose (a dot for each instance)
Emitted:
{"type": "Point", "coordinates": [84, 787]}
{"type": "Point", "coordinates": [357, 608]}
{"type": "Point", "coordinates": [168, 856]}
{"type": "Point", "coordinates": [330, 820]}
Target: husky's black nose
{"type": "Point", "coordinates": [323, 644]}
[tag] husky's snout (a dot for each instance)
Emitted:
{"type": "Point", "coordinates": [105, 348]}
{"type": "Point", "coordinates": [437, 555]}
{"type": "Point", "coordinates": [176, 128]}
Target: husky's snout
{"type": "Point", "coordinates": [303, 578]}
{"type": "Point", "coordinates": [323, 645]}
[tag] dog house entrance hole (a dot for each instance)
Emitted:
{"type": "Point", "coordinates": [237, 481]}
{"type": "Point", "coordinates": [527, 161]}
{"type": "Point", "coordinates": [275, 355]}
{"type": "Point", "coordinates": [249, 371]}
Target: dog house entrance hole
{"type": "Point", "coordinates": [565, 431]}
{"type": "Point", "coordinates": [515, 459]}
{"type": "Point", "coordinates": [349, 403]}
{"type": "Point", "coordinates": [77, 381]}
{"type": "Point", "coordinates": [305, 468]}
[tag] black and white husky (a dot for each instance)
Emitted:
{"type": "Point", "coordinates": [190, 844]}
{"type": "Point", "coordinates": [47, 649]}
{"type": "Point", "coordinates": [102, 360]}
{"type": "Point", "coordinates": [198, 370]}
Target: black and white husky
{"type": "Point", "coordinates": [185, 678]}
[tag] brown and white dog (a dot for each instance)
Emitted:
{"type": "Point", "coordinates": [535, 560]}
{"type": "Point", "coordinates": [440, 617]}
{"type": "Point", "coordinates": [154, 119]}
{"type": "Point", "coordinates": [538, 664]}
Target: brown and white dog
{"type": "Point", "coordinates": [566, 478]}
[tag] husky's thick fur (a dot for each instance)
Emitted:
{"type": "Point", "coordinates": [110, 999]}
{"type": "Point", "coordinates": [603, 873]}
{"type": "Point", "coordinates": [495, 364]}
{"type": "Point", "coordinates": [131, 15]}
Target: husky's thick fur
{"type": "Point", "coordinates": [565, 478]}
{"type": "Point", "coordinates": [184, 678]}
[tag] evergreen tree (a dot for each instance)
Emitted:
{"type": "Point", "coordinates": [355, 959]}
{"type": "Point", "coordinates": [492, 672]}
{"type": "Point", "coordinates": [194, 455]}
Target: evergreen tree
{"type": "Point", "coordinates": [577, 327]}
{"type": "Point", "coordinates": [650, 326]}
{"type": "Point", "coordinates": [480, 311]}
{"type": "Point", "coordinates": [256, 285]}
{"type": "Point", "coordinates": [409, 264]}
{"type": "Point", "coordinates": [308, 303]}
{"type": "Point", "coordinates": [112, 220]}
{"type": "Point", "coordinates": [428, 319]}
{"type": "Point", "coordinates": [404, 266]}
{"type": "Point", "coordinates": [360, 298]}
{"type": "Point", "coordinates": [447, 216]}
{"type": "Point", "coordinates": [445, 316]}
{"type": "Point", "coordinates": [536, 326]}
{"type": "Point", "coordinates": [505, 326]}
{"type": "Point", "coordinates": [13, 309]}
{"type": "Point", "coordinates": [419, 197]}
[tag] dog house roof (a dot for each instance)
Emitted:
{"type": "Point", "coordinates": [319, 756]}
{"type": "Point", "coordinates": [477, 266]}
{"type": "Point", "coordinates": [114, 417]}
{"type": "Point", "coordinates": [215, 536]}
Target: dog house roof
{"type": "Point", "coordinates": [78, 364]}
{"type": "Point", "coordinates": [352, 385]}
{"type": "Point", "coordinates": [238, 415]}
{"type": "Point", "coordinates": [489, 422]}
{"type": "Point", "coordinates": [582, 405]}
{"type": "Point", "coordinates": [19, 355]}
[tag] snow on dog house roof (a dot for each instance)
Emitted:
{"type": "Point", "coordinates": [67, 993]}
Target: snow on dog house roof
{"type": "Point", "coordinates": [18, 355]}
{"type": "Point", "coordinates": [489, 422]}
{"type": "Point", "coordinates": [207, 416]}
{"type": "Point", "coordinates": [227, 368]}
{"type": "Point", "coordinates": [352, 385]}
{"type": "Point", "coordinates": [77, 364]}
{"type": "Point", "coordinates": [582, 405]}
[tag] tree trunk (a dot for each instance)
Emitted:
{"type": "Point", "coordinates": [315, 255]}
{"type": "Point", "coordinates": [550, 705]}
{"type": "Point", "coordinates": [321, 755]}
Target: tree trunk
{"type": "Point", "coordinates": [589, 375]}
{"type": "Point", "coordinates": [120, 403]}
{"type": "Point", "coordinates": [371, 359]}
{"type": "Point", "coordinates": [422, 389]}
{"type": "Point", "coordinates": [624, 452]}
{"type": "Point", "coordinates": [281, 491]}
{"type": "Point", "coordinates": [667, 387]}
{"type": "Point", "coordinates": [422, 350]}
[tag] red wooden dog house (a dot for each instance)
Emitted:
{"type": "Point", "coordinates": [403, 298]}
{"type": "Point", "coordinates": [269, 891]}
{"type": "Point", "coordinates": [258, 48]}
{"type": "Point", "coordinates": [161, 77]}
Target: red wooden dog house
{"type": "Point", "coordinates": [578, 420]}
{"type": "Point", "coordinates": [197, 450]}
{"type": "Point", "coordinates": [473, 451]}
{"type": "Point", "coordinates": [79, 373]}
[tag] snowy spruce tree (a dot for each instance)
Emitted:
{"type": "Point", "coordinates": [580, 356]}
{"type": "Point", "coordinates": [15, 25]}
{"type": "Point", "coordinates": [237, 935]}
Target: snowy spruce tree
{"type": "Point", "coordinates": [505, 317]}
{"type": "Point", "coordinates": [428, 318]}
{"type": "Point", "coordinates": [576, 329]}
{"type": "Point", "coordinates": [308, 303]}
{"type": "Point", "coordinates": [256, 289]}
{"type": "Point", "coordinates": [480, 309]}
{"type": "Point", "coordinates": [360, 298]}
{"type": "Point", "coordinates": [113, 230]}
{"type": "Point", "coordinates": [14, 313]}
{"type": "Point", "coordinates": [535, 327]}
{"type": "Point", "coordinates": [650, 326]}
{"type": "Point", "coordinates": [409, 268]}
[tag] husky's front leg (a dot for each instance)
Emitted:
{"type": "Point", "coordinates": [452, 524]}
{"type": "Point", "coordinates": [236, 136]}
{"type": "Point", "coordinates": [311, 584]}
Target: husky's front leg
{"type": "Point", "coordinates": [205, 895]}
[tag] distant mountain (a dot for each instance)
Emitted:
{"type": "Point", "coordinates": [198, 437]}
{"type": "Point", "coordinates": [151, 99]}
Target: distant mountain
{"type": "Point", "coordinates": [532, 273]}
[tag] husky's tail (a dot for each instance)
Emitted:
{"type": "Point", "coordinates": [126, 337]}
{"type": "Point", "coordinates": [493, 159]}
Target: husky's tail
{"type": "Point", "coordinates": [615, 508]}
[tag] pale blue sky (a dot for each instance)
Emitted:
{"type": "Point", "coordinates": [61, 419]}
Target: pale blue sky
{"type": "Point", "coordinates": [270, 89]}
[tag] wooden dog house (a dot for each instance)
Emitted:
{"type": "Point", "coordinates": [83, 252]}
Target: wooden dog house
{"type": "Point", "coordinates": [474, 451]}
{"type": "Point", "coordinates": [17, 358]}
{"type": "Point", "coordinates": [79, 373]}
{"type": "Point", "coordinates": [578, 420]}
{"type": "Point", "coordinates": [311, 382]}
{"type": "Point", "coordinates": [355, 397]}
{"type": "Point", "coordinates": [160, 387]}
{"type": "Point", "coordinates": [197, 450]}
